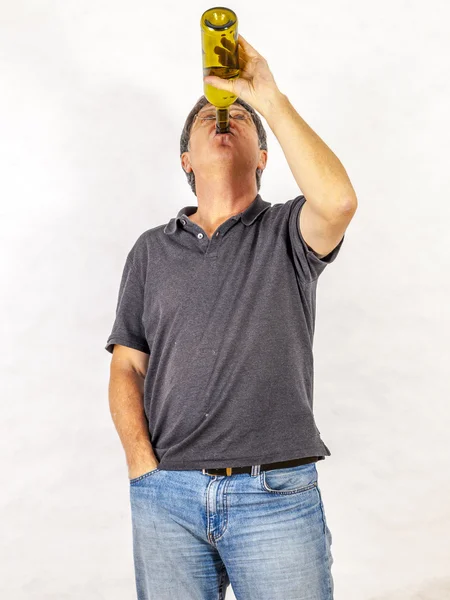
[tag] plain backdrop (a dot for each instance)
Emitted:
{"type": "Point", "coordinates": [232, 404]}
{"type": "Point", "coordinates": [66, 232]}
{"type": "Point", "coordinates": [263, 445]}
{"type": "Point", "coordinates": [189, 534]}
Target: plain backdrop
{"type": "Point", "coordinates": [93, 99]}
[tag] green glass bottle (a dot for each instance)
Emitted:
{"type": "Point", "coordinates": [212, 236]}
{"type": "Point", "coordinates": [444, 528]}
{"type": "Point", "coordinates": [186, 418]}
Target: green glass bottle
{"type": "Point", "coordinates": [219, 27]}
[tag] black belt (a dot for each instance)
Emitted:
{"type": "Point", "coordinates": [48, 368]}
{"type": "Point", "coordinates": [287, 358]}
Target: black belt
{"type": "Point", "coordinates": [277, 465]}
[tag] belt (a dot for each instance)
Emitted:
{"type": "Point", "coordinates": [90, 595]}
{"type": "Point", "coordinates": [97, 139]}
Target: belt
{"type": "Point", "coordinates": [248, 469]}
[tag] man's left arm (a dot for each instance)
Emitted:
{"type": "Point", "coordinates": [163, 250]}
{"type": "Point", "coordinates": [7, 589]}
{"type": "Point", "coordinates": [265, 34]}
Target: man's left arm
{"type": "Point", "coordinates": [330, 198]}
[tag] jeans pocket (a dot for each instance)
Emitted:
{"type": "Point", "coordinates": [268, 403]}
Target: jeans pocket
{"type": "Point", "coordinates": [144, 476]}
{"type": "Point", "coordinates": [290, 480]}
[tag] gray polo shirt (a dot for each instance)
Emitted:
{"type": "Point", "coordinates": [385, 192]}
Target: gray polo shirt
{"type": "Point", "coordinates": [228, 323]}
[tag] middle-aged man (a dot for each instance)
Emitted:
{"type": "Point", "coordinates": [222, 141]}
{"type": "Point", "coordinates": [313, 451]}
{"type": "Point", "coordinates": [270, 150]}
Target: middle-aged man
{"type": "Point", "coordinates": [211, 386]}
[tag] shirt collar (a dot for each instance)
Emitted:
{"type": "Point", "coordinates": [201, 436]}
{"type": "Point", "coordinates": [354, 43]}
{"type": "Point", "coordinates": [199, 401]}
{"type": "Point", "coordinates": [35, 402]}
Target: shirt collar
{"type": "Point", "coordinates": [248, 216]}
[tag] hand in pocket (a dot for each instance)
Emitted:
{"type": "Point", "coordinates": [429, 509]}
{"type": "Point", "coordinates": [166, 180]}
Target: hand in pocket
{"type": "Point", "coordinates": [138, 470]}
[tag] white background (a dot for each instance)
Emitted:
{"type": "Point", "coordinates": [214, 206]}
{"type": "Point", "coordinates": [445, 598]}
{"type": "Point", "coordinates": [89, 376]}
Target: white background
{"type": "Point", "coordinates": [93, 99]}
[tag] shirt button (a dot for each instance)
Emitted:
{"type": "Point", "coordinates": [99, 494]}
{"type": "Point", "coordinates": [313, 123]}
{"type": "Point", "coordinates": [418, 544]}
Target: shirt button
{"type": "Point", "coordinates": [199, 235]}
{"type": "Point", "coordinates": [217, 233]}
{"type": "Point", "coordinates": [183, 221]}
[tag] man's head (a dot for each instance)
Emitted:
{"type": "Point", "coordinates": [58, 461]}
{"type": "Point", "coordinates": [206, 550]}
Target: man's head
{"type": "Point", "coordinates": [198, 135]}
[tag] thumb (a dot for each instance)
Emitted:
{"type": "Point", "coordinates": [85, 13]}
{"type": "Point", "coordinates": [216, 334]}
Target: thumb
{"type": "Point", "coordinates": [220, 83]}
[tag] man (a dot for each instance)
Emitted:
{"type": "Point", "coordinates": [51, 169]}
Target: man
{"type": "Point", "coordinates": [211, 386]}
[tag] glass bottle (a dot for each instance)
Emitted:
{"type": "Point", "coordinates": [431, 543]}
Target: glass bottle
{"type": "Point", "coordinates": [219, 27]}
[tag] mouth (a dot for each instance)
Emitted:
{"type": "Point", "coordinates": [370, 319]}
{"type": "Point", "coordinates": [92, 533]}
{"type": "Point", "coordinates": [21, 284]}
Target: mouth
{"type": "Point", "coordinates": [223, 135]}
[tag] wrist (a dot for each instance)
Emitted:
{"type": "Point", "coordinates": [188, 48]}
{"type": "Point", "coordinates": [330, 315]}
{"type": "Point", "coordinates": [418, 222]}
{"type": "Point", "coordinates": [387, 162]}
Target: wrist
{"type": "Point", "coordinates": [275, 103]}
{"type": "Point", "coordinates": [141, 461]}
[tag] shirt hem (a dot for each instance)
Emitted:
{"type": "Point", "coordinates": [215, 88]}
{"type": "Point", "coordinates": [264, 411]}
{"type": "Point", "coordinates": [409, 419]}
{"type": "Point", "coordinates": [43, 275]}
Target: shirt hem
{"type": "Point", "coordinates": [242, 462]}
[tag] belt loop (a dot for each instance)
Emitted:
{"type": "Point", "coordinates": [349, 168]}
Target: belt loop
{"type": "Point", "coordinates": [255, 470]}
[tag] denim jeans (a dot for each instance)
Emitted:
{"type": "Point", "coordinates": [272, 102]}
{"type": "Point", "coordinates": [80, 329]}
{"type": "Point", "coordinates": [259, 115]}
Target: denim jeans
{"type": "Point", "coordinates": [264, 532]}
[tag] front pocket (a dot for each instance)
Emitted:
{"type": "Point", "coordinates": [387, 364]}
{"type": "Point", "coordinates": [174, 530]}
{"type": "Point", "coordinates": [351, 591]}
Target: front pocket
{"type": "Point", "coordinates": [290, 480]}
{"type": "Point", "coordinates": [135, 479]}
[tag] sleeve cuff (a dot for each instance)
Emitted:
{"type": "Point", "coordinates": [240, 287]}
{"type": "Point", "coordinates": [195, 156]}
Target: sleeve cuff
{"type": "Point", "coordinates": [126, 340]}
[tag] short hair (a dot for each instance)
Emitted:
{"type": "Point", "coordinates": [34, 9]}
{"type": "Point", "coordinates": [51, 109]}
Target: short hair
{"type": "Point", "coordinates": [186, 135]}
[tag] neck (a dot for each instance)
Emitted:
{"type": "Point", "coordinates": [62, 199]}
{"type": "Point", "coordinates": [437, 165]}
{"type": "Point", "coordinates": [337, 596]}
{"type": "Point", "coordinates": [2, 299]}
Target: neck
{"type": "Point", "coordinates": [219, 202]}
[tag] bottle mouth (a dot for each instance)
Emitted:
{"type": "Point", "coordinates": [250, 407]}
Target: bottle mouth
{"type": "Point", "coordinates": [216, 133]}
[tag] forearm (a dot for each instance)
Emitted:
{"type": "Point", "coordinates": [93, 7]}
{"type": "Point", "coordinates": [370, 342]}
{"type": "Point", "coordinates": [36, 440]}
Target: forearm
{"type": "Point", "coordinates": [318, 172]}
{"type": "Point", "coordinates": [126, 392]}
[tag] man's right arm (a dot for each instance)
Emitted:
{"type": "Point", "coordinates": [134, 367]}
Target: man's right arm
{"type": "Point", "coordinates": [126, 402]}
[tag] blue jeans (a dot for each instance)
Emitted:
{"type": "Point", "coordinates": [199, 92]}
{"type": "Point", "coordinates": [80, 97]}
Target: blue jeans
{"type": "Point", "coordinates": [264, 532]}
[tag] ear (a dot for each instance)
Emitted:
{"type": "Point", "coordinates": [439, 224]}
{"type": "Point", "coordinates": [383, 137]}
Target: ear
{"type": "Point", "coordinates": [263, 157]}
{"type": "Point", "coordinates": [185, 162]}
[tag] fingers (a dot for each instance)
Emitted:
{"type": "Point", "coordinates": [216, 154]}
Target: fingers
{"type": "Point", "coordinates": [248, 49]}
{"type": "Point", "coordinates": [229, 44]}
{"type": "Point", "coordinates": [227, 59]}
{"type": "Point", "coordinates": [226, 53]}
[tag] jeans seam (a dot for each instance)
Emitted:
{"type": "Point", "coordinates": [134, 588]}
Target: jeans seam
{"type": "Point", "coordinates": [144, 475]}
{"type": "Point", "coordinates": [221, 582]}
{"type": "Point", "coordinates": [327, 549]}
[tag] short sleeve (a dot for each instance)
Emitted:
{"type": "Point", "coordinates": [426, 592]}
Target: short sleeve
{"type": "Point", "coordinates": [128, 328]}
{"type": "Point", "coordinates": [307, 264]}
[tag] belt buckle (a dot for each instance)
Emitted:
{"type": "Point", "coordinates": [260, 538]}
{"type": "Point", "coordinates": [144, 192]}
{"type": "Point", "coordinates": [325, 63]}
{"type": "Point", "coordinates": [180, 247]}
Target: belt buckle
{"type": "Point", "coordinates": [227, 469]}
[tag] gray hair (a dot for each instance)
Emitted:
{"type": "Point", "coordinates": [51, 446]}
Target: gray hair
{"type": "Point", "coordinates": [186, 134]}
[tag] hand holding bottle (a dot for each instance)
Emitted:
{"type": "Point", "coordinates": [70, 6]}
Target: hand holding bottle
{"type": "Point", "coordinates": [256, 84]}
